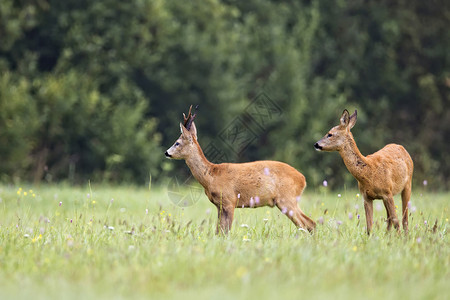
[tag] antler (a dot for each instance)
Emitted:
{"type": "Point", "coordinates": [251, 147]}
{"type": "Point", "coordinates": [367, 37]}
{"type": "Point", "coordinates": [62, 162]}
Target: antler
{"type": "Point", "coordinates": [190, 118]}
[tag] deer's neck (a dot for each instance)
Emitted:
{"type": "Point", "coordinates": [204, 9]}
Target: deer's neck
{"type": "Point", "coordinates": [199, 166]}
{"type": "Point", "coordinates": [355, 162]}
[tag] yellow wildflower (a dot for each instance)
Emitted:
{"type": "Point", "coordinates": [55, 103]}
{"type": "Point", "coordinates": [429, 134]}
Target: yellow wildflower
{"type": "Point", "coordinates": [36, 238]}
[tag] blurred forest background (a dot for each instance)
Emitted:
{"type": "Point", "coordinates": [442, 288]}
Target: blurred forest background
{"type": "Point", "coordinates": [96, 89]}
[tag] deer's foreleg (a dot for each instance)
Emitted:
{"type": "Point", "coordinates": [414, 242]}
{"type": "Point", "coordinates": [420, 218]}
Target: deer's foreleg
{"type": "Point", "coordinates": [225, 219]}
{"type": "Point", "coordinates": [368, 207]}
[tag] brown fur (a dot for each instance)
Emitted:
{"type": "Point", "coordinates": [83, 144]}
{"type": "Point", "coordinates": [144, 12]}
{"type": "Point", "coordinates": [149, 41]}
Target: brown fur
{"type": "Point", "coordinates": [252, 184]}
{"type": "Point", "coordinates": [380, 175]}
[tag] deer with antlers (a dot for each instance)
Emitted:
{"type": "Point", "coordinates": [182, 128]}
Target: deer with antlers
{"type": "Point", "coordinates": [234, 185]}
{"type": "Point", "coordinates": [380, 175]}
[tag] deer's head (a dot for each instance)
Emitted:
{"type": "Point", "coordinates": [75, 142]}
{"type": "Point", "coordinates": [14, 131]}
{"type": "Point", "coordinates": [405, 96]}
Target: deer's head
{"type": "Point", "coordinates": [184, 145]}
{"type": "Point", "coordinates": [338, 135]}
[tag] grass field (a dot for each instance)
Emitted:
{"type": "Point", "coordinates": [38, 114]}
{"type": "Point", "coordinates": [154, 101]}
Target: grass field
{"type": "Point", "coordinates": [103, 242]}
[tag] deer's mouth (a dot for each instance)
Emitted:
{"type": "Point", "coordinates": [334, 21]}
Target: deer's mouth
{"type": "Point", "coordinates": [318, 147]}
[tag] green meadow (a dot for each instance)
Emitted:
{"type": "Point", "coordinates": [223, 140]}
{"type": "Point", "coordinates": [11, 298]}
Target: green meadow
{"type": "Point", "coordinates": [109, 242]}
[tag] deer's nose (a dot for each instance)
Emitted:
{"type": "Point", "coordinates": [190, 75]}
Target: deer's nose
{"type": "Point", "coordinates": [316, 145]}
{"type": "Point", "coordinates": [167, 154]}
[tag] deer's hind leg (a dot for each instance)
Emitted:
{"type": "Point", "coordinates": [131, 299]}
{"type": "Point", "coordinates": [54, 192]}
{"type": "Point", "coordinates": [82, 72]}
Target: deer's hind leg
{"type": "Point", "coordinates": [388, 215]}
{"type": "Point", "coordinates": [390, 209]}
{"type": "Point", "coordinates": [309, 223]}
{"type": "Point", "coordinates": [295, 214]}
{"type": "Point", "coordinates": [406, 195]}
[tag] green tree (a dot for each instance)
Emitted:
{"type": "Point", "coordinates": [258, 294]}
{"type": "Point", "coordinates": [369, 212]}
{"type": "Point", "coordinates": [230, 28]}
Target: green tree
{"type": "Point", "coordinates": [96, 88]}
{"type": "Point", "coordinates": [18, 123]}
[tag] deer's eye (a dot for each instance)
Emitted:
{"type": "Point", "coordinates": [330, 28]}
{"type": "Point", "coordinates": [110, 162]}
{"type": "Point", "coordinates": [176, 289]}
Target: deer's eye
{"type": "Point", "coordinates": [177, 144]}
{"type": "Point", "coordinates": [329, 135]}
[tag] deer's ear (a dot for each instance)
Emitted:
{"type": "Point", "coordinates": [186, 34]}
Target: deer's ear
{"type": "Point", "coordinates": [193, 130]}
{"type": "Point", "coordinates": [352, 120]}
{"type": "Point", "coordinates": [184, 132]}
{"type": "Point", "coordinates": [345, 118]}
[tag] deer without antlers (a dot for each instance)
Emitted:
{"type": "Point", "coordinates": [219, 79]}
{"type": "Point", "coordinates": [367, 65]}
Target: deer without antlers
{"type": "Point", "coordinates": [380, 175]}
{"type": "Point", "coordinates": [232, 185]}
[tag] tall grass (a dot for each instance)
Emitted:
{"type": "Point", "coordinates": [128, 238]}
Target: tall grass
{"type": "Point", "coordinates": [131, 242]}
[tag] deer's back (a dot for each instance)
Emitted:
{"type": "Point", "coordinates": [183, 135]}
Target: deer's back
{"type": "Point", "coordinates": [266, 179]}
{"type": "Point", "coordinates": [392, 155]}
{"type": "Point", "coordinates": [391, 167]}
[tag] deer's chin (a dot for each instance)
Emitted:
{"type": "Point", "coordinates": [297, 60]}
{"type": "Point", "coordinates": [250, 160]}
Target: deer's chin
{"type": "Point", "coordinates": [323, 148]}
{"type": "Point", "coordinates": [171, 156]}
{"type": "Point", "coordinates": [328, 150]}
